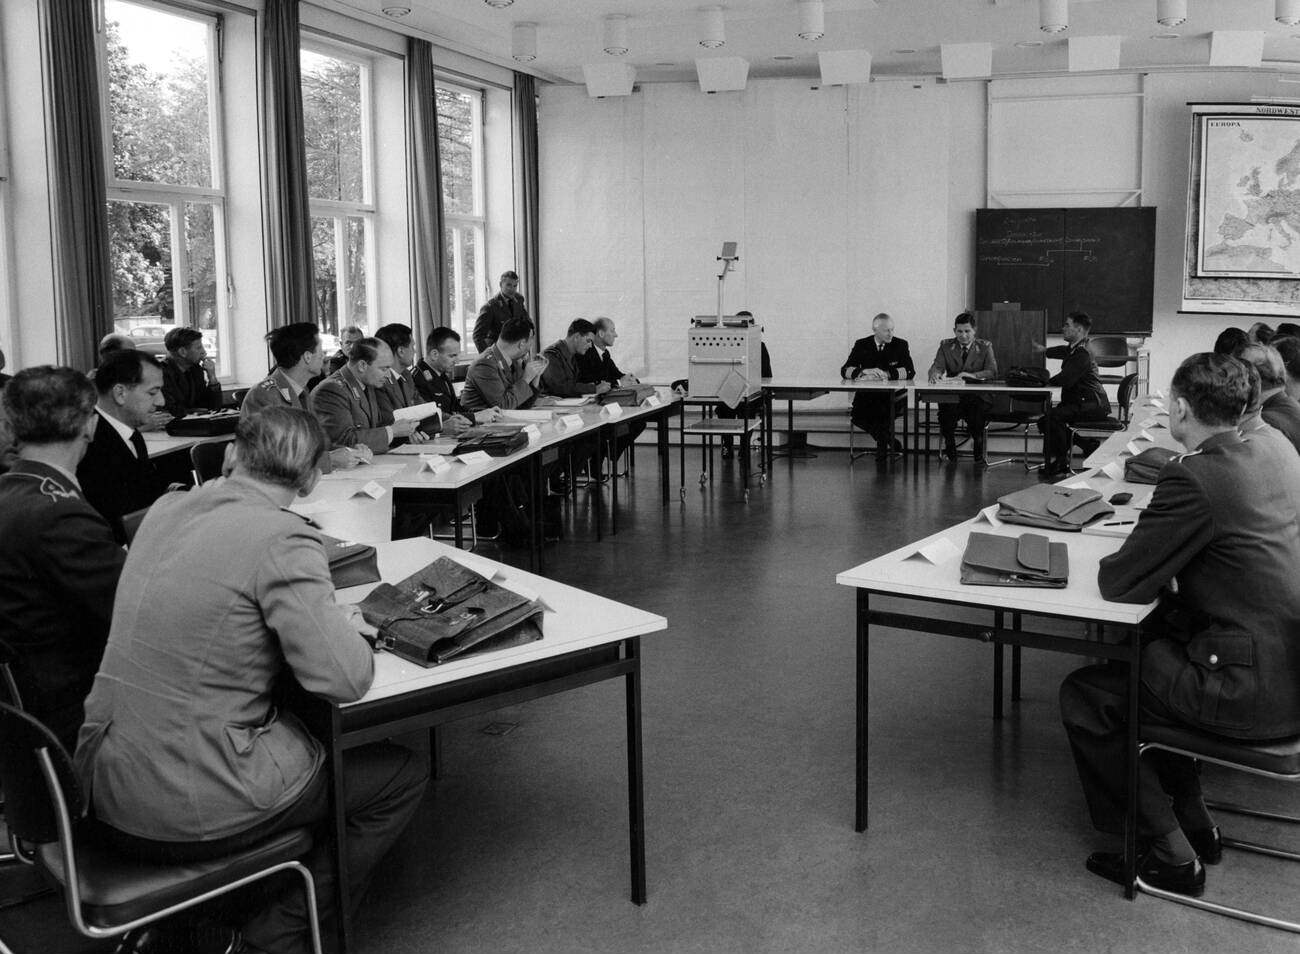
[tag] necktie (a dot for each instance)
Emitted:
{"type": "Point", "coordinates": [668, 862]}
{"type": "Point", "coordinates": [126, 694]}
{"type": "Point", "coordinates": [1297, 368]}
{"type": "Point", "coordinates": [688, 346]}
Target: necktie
{"type": "Point", "coordinates": [137, 444]}
{"type": "Point", "coordinates": [965, 349]}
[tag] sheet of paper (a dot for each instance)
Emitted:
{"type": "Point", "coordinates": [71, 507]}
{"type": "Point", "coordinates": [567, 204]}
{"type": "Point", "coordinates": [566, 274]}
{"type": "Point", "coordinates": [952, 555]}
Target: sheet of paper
{"type": "Point", "coordinates": [1141, 503]}
{"type": "Point", "coordinates": [307, 508]}
{"type": "Point", "coordinates": [418, 412]}
{"type": "Point", "coordinates": [572, 402]}
{"type": "Point", "coordinates": [534, 415]}
{"type": "Point", "coordinates": [1114, 470]}
{"type": "Point", "coordinates": [372, 490]}
{"type": "Point", "coordinates": [369, 471]}
{"type": "Point", "coordinates": [936, 552]}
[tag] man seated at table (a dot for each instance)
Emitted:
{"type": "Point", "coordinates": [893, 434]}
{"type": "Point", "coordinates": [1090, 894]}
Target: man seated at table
{"type": "Point", "coordinates": [966, 358]}
{"type": "Point", "coordinates": [189, 375]}
{"type": "Point", "coordinates": [597, 364]}
{"type": "Point", "coordinates": [881, 357]}
{"type": "Point", "coordinates": [347, 402]}
{"type": "Point", "coordinates": [1218, 546]}
{"type": "Point", "coordinates": [59, 564]}
{"type": "Point", "coordinates": [434, 382]}
{"type": "Point", "coordinates": [298, 357]}
{"type": "Point", "coordinates": [399, 390]}
{"type": "Point", "coordinates": [501, 377]}
{"type": "Point", "coordinates": [1252, 423]}
{"type": "Point", "coordinates": [1277, 407]}
{"type": "Point", "coordinates": [116, 475]}
{"type": "Point", "coordinates": [1082, 396]}
{"type": "Point", "coordinates": [562, 376]}
{"type": "Point", "coordinates": [184, 752]}
{"type": "Point", "coordinates": [1288, 346]}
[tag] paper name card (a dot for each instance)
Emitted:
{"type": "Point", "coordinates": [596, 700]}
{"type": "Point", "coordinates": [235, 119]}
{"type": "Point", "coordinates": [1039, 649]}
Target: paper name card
{"type": "Point", "coordinates": [936, 552]}
{"type": "Point", "coordinates": [371, 489]}
{"type": "Point", "coordinates": [1132, 448]}
{"type": "Point", "coordinates": [1113, 470]}
{"type": "Point", "coordinates": [1141, 503]}
{"type": "Point", "coordinates": [990, 516]}
{"type": "Point", "coordinates": [1146, 437]}
{"type": "Point", "coordinates": [652, 401]}
{"type": "Point", "coordinates": [475, 457]}
{"type": "Point", "coordinates": [1081, 484]}
{"type": "Point", "coordinates": [533, 433]}
{"type": "Point", "coordinates": [1151, 423]}
{"type": "Point", "coordinates": [434, 463]}
{"type": "Point", "coordinates": [611, 411]}
{"type": "Point", "coordinates": [567, 422]}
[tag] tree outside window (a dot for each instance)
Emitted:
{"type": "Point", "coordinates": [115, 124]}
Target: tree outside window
{"type": "Point", "coordinates": [460, 146]}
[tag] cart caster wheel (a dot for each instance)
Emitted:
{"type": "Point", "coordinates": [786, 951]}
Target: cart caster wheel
{"type": "Point", "coordinates": [704, 479]}
{"type": "Point", "coordinates": [682, 493]}
{"type": "Point", "coordinates": [762, 479]}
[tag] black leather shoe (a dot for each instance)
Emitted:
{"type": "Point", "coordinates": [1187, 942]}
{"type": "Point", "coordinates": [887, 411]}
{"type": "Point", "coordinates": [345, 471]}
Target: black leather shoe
{"type": "Point", "coordinates": [1053, 469]}
{"type": "Point", "coordinates": [1188, 879]}
{"type": "Point", "coordinates": [1208, 845]}
{"type": "Point", "coordinates": [949, 452]}
{"type": "Point", "coordinates": [1087, 445]}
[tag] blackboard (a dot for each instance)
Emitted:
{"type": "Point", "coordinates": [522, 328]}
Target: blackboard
{"type": "Point", "coordinates": [1099, 261]}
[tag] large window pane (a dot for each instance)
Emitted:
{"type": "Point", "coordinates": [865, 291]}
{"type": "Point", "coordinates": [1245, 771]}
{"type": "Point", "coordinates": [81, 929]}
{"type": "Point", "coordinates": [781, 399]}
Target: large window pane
{"type": "Point", "coordinates": [457, 128]}
{"type": "Point", "coordinates": [140, 250]}
{"type": "Point", "coordinates": [464, 243]}
{"type": "Point", "coordinates": [325, 273]}
{"type": "Point", "coordinates": [333, 133]}
{"type": "Point", "coordinates": [358, 313]}
{"type": "Point", "coordinates": [158, 95]}
{"type": "Point", "coordinates": [201, 279]}
{"type": "Point", "coordinates": [340, 280]}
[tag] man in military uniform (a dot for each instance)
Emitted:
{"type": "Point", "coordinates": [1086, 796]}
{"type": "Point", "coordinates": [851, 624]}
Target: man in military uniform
{"type": "Point", "coordinates": [500, 377]}
{"type": "Point", "coordinates": [968, 358]}
{"type": "Point", "coordinates": [1277, 408]}
{"type": "Point", "coordinates": [881, 357]}
{"type": "Point", "coordinates": [189, 375]}
{"type": "Point", "coordinates": [399, 389]}
{"type": "Point", "coordinates": [562, 377]}
{"type": "Point", "coordinates": [298, 357]}
{"type": "Point", "coordinates": [1218, 546]}
{"type": "Point", "coordinates": [1082, 396]}
{"type": "Point", "coordinates": [59, 564]}
{"type": "Point", "coordinates": [433, 380]}
{"type": "Point", "coordinates": [506, 304]}
{"type": "Point", "coordinates": [347, 404]}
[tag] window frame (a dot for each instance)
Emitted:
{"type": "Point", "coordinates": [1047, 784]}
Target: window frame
{"type": "Point", "coordinates": [457, 223]}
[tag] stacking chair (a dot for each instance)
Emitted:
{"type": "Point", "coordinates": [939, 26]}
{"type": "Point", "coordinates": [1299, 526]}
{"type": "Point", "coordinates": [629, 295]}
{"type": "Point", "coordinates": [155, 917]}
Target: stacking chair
{"type": "Point", "coordinates": [206, 457]}
{"type": "Point", "coordinates": [1103, 429]}
{"type": "Point", "coordinates": [1278, 760]}
{"type": "Point", "coordinates": [106, 894]}
{"type": "Point", "coordinates": [1111, 351]}
{"type": "Point", "coordinates": [237, 397]}
{"type": "Point", "coordinates": [1021, 412]}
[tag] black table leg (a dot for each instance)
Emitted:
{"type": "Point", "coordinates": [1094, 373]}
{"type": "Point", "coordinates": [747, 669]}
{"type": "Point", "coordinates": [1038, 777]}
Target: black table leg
{"type": "Point", "coordinates": [338, 809]}
{"type": "Point", "coordinates": [1130, 811]}
{"type": "Point", "coordinates": [456, 519]}
{"type": "Point", "coordinates": [998, 661]}
{"type": "Point", "coordinates": [860, 808]}
{"type": "Point", "coordinates": [661, 439]}
{"type": "Point", "coordinates": [635, 778]}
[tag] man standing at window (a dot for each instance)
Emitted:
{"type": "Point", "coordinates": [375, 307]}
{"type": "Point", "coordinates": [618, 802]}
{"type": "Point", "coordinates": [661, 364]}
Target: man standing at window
{"type": "Point", "coordinates": [1082, 396]}
{"type": "Point", "coordinates": [500, 308]}
{"type": "Point", "coordinates": [189, 375]}
{"type": "Point", "coordinates": [882, 357]}
{"type": "Point", "coordinates": [968, 358]}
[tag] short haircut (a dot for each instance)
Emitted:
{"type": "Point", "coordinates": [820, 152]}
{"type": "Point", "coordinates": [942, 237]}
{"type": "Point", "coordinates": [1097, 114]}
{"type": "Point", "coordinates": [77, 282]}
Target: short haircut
{"type": "Point", "coordinates": [510, 274]}
{"type": "Point", "coordinates": [1230, 340]}
{"type": "Point", "coordinates": [367, 349]}
{"type": "Point", "coordinates": [437, 336]}
{"type": "Point", "coordinates": [1272, 373]}
{"type": "Point", "coordinates": [604, 324]}
{"type": "Point", "coordinates": [396, 336]}
{"type": "Point", "coordinates": [1215, 386]}
{"type": "Point", "coordinates": [1261, 332]}
{"type": "Point", "coordinates": [965, 318]}
{"type": "Point", "coordinates": [1288, 328]}
{"type": "Point", "coordinates": [290, 342]}
{"type": "Point", "coordinates": [351, 329]}
{"type": "Point", "coordinates": [114, 341]}
{"type": "Point", "coordinates": [122, 367]}
{"type": "Point", "coordinates": [883, 316]}
{"type": "Point", "coordinates": [515, 330]}
{"type": "Point", "coordinates": [580, 326]}
{"type": "Point", "coordinates": [179, 338]}
{"type": "Point", "coordinates": [48, 405]}
{"type": "Point", "coordinates": [280, 445]}
{"type": "Point", "coordinates": [1253, 402]}
{"type": "Point", "coordinates": [1080, 320]}
{"type": "Point", "coordinates": [1289, 348]}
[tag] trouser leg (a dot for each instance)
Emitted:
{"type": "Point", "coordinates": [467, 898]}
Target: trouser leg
{"type": "Point", "coordinates": [975, 412]}
{"type": "Point", "coordinates": [948, 415]}
{"type": "Point", "coordinates": [872, 413]}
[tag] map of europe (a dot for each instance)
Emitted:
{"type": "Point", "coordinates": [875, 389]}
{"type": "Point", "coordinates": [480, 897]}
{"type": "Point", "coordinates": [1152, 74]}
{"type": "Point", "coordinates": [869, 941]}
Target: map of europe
{"type": "Point", "coordinates": [1250, 197]}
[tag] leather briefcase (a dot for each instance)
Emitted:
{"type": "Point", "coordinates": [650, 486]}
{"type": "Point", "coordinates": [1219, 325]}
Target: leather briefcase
{"type": "Point", "coordinates": [1053, 507]}
{"type": "Point", "coordinates": [1144, 468]}
{"type": "Point", "coordinates": [201, 424]}
{"type": "Point", "coordinates": [628, 397]}
{"type": "Point", "coordinates": [351, 564]}
{"type": "Point", "coordinates": [496, 442]}
{"type": "Point", "coordinates": [447, 610]}
{"type": "Point", "coordinates": [1027, 560]}
{"type": "Point", "coordinates": [1027, 377]}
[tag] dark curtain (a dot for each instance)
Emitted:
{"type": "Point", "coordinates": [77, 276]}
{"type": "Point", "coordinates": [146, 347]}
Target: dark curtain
{"type": "Point", "coordinates": [528, 261]}
{"type": "Point", "coordinates": [288, 216]}
{"type": "Point", "coordinates": [83, 278]}
{"type": "Point", "coordinates": [428, 254]}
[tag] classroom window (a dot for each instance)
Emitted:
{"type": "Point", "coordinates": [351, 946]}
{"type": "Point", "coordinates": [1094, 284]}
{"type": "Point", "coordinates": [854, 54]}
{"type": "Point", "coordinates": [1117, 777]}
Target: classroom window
{"type": "Point", "coordinates": [165, 188]}
{"type": "Point", "coordinates": [337, 119]}
{"type": "Point", "coordinates": [460, 145]}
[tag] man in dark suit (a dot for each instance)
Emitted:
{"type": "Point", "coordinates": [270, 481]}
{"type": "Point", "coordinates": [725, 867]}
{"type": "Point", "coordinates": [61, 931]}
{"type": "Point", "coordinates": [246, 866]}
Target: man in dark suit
{"type": "Point", "coordinates": [347, 405]}
{"type": "Point", "coordinates": [1278, 409]}
{"type": "Point", "coordinates": [399, 390]}
{"type": "Point", "coordinates": [433, 380]}
{"type": "Point", "coordinates": [881, 357]}
{"type": "Point", "coordinates": [189, 375]}
{"type": "Point", "coordinates": [597, 364]}
{"type": "Point", "coordinates": [505, 305]}
{"type": "Point", "coordinates": [116, 475]}
{"type": "Point", "coordinates": [1218, 546]}
{"type": "Point", "coordinates": [59, 564]}
{"type": "Point", "coordinates": [967, 358]}
{"type": "Point", "coordinates": [4, 378]}
{"type": "Point", "coordinates": [1082, 396]}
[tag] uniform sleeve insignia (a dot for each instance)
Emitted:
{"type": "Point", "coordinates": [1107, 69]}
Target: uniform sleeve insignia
{"type": "Point", "coordinates": [56, 491]}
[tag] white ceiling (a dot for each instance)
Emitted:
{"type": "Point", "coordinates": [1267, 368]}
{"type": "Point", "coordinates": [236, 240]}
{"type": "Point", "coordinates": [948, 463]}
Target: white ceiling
{"type": "Point", "coordinates": [663, 34]}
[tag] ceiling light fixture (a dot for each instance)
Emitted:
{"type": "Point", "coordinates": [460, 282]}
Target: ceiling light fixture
{"type": "Point", "coordinates": [523, 42]}
{"type": "Point", "coordinates": [1171, 12]}
{"type": "Point", "coordinates": [1287, 12]}
{"type": "Point", "coordinates": [396, 12]}
{"type": "Point", "coordinates": [783, 57]}
{"type": "Point", "coordinates": [712, 28]}
{"type": "Point", "coordinates": [1166, 36]}
{"type": "Point", "coordinates": [904, 51]}
{"type": "Point", "coordinates": [498, 4]}
{"type": "Point", "coordinates": [1029, 44]}
{"type": "Point", "coordinates": [616, 34]}
{"type": "Point", "coordinates": [812, 20]}
{"type": "Point", "coordinates": [1053, 15]}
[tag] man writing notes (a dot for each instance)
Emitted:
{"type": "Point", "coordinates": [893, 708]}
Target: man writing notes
{"type": "Point", "coordinates": [562, 377]}
{"type": "Point", "coordinates": [505, 305]}
{"type": "Point", "coordinates": [184, 751]}
{"type": "Point", "coordinates": [116, 474]}
{"type": "Point", "coordinates": [347, 403]}
{"type": "Point", "coordinates": [501, 377]}
{"type": "Point", "coordinates": [963, 357]}
{"type": "Point", "coordinates": [59, 564]}
{"type": "Point", "coordinates": [1218, 546]}
{"type": "Point", "coordinates": [189, 375]}
{"type": "Point", "coordinates": [434, 382]}
{"type": "Point", "coordinates": [1082, 396]}
{"type": "Point", "coordinates": [881, 357]}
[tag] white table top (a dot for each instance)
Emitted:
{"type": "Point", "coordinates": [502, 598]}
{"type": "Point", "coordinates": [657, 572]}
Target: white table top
{"type": "Point", "coordinates": [832, 382]}
{"type": "Point", "coordinates": [160, 442]}
{"type": "Point", "coordinates": [574, 620]}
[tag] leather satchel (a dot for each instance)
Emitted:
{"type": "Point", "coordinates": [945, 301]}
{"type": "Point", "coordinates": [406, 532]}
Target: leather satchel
{"type": "Point", "coordinates": [1027, 560]}
{"type": "Point", "coordinates": [351, 564]}
{"type": "Point", "coordinates": [1144, 468]}
{"type": "Point", "coordinates": [1053, 507]}
{"type": "Point", "coordinates": [628, 397]}
{"type": "Point", "coordinates": [447, 610]}
{"type": "Point", "coordinates": [204, 424]}
{"type": "Point", "coordinates": [1027, 377]}
{"type": "Point", "coordinates": [496, 440]}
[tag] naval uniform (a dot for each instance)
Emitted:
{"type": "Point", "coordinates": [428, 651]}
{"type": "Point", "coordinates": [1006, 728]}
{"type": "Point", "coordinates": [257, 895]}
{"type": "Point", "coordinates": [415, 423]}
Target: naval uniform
{"type": "Point", "coordinates": [874, 413]}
